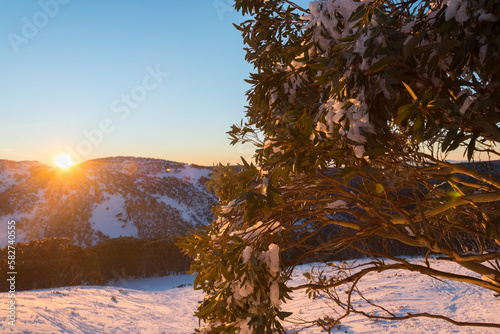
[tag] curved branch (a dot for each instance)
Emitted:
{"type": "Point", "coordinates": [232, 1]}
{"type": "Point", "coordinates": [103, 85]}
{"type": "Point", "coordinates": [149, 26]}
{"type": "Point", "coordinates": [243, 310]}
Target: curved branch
{"type": "Point", "coordinates": [435, 316]}
{"type": "Point", "coordinates": [357, 277]}
{"type": "Point", "coordinates": [411, 267]}
{"type": "Point", "coordinates": [466, 171]}
{"type": "Point", "coordinates": [476, 257]}
{"type": "Point", "coordinates": [477, 198]}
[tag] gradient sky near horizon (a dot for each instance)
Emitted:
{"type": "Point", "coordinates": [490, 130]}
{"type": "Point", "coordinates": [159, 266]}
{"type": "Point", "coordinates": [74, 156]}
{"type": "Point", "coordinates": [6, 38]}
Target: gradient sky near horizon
{"type": "Point", "coordinates": [160, 79]}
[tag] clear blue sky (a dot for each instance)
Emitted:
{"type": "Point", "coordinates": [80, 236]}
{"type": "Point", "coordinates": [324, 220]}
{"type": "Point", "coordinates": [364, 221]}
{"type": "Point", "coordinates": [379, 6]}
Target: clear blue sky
{"type": "Point", "coordinates": [90, 78]}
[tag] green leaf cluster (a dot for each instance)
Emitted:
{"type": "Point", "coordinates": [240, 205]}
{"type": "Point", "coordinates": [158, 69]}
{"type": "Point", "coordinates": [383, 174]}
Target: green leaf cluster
{"type": "Point", "coordinates": [357, 108]}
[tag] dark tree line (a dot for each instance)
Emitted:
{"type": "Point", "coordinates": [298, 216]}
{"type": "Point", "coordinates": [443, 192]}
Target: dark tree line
{"type": "Point", "coordinates": [56, 262]}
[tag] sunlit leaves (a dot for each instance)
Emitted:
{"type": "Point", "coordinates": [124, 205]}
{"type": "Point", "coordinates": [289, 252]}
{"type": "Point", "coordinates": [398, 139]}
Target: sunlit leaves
{"type": "Point", "coordinates": [349, 117]}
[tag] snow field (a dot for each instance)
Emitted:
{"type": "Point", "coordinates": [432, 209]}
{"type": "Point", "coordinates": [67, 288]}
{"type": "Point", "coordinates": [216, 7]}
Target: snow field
{"type": "Point", "coordinates": [165, 305]}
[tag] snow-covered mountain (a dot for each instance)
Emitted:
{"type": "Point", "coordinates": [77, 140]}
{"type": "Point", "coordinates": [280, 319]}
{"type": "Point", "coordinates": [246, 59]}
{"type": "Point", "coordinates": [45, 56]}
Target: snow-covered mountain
{"type": "Point", "coordinates": [103, 198]}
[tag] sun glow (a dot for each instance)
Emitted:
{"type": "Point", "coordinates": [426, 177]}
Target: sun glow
{"type": "Point", "coordinates": [64, 161]}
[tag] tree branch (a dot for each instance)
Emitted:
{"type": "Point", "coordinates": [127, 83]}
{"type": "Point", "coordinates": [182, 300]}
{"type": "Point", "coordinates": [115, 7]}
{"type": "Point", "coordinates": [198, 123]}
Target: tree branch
{"type": "Point", "coordinates": [435, 316]}
{"type": "Point", "coordinates": [477, 198]}
{"type": "Point", "coordinates": [407, 266]}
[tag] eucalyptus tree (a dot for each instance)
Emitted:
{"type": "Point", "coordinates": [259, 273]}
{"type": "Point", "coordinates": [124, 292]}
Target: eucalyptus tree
{"type": "Point", "coordinates": [354, 110]}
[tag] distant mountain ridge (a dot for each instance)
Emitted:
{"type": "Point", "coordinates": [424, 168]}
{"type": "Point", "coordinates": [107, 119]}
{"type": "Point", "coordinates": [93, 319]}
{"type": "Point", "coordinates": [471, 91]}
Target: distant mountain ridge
{"type": "Point", "coordinates": [103, 198]}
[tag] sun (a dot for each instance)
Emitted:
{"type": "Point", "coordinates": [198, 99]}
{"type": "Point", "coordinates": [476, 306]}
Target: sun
{"type": "Point", "coordinates": [64, 161]}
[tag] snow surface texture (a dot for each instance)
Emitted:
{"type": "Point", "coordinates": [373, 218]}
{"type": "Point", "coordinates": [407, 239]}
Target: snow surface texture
{"type": "Point", "coordinates": [166, 305]}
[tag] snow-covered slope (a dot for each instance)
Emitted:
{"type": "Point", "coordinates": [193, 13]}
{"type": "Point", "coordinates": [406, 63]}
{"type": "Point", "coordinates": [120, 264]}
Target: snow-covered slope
{"type": "Point", "coordinates": [166, 304]}
{"type": "Point", "coordinates": [110, 197]}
